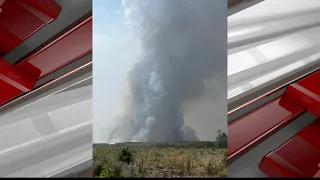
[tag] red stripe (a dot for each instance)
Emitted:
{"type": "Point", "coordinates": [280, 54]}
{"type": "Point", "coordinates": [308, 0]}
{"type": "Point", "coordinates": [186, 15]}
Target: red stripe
{"type": "Point", "coordinates": [13, 82]}
{"type": "Point", "coordinates": [21, 19]}
{"type": "Point", "coordinates": [64, 50]}
{"type": "Point", "coordinates": [306, 93]}
{"type": "Point", "coordinates": [300, 155]}
{"type": "Point", "coordinates": [247, 131]}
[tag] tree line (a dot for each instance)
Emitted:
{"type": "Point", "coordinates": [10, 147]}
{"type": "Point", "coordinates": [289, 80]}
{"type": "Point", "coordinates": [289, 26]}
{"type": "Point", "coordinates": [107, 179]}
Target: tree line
{"type": "Point", "coordinates": [220, 142]}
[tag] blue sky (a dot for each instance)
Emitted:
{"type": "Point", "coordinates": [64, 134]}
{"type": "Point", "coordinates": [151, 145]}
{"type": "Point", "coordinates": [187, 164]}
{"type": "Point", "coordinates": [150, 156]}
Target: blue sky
{"type": "Point", "coordinates": [113, 44]}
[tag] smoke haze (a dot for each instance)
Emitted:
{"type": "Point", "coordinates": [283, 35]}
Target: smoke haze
{"type": "Point", "coordinates": [181, 54]}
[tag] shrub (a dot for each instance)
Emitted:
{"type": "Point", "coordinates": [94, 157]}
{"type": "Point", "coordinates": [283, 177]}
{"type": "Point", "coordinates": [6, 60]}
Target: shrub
{"type": "Point", "coordinates": [125, 155]}
{"type": "Point", "coordinates": [115, 172]}
{"type": "Point", "coordinates": [97, 170]}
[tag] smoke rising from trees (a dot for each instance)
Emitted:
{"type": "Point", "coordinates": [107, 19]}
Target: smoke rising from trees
{"type": "Point", "coordinates": [179, 56]}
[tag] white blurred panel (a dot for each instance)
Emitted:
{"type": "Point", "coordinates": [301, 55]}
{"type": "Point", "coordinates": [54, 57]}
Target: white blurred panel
{"type": "Point", "coordinates": [240, 61]}
{"type": "Point", "coordinates": [72, 115]}
{"type": "Point", "coordinates": [16, 134]}
{"type": "Point", "coordinates": [274, 8]}
{"type": "Point", "coordinates": [284, 46]}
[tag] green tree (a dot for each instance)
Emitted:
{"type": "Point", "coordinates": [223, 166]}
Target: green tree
{"type": "Point", "coordinates": [222, 139]}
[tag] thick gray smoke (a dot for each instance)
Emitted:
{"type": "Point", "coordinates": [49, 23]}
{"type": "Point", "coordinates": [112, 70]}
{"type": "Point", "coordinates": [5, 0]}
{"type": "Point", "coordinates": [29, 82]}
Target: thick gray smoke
{"type": "Point", "coordinates": [179, 56]}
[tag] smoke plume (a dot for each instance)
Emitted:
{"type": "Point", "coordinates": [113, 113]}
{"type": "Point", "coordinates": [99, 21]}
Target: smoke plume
{"type": "Point", "coordinates": [179, 56]}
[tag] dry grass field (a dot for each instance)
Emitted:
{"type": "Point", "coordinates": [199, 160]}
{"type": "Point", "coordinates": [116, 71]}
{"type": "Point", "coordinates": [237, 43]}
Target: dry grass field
{"type": "Point", "coordinates": [194, 159]}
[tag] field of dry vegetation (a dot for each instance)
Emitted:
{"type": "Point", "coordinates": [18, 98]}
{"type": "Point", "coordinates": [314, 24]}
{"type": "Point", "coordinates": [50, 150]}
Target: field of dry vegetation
{"type": "Point", "coordinates": [194, 159]}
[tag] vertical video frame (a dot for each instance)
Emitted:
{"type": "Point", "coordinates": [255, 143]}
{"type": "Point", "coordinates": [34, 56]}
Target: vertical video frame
{"type": "Point", "coordinates": [160, 88]}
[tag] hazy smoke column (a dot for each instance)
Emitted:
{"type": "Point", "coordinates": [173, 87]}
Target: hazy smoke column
{"type": "Point", "coordinates": [179, 56]}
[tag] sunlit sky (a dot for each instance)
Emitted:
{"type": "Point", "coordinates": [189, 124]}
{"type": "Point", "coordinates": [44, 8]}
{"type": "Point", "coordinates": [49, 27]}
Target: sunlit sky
{"type": "Point", "coordinates": [111, 34]}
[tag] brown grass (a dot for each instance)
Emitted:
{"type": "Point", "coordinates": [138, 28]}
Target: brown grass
{"type": "Point", "coordinates": [161, 162]}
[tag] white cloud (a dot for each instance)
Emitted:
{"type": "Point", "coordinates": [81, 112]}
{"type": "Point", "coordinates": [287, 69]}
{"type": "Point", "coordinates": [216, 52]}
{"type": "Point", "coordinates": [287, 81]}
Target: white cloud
{"type": "Point", "coordinates": [129, 11]}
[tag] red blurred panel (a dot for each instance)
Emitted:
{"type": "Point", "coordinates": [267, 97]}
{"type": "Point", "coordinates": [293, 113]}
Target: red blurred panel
{"type": "Point", "coordinates": [247, 131]}
{"type": "Point", "coordinates": [19, 20]}
{"type": "Point", "coordinates": [67, 48]}
{"type": "Point", "coordinates": [8, 41]}
{"type": "Point", "coordinates": [306, 93]}
{"type": "Point", "coordinates": [273, 161]}
{"type": "Point", "coordinates": [298, 157]}
{"type": "Point", "coordinates": [13, 82]}
{"type": "Point", "coordinates": [46, 10]}
{"type": "Point", "coordinates": [311, 83]}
